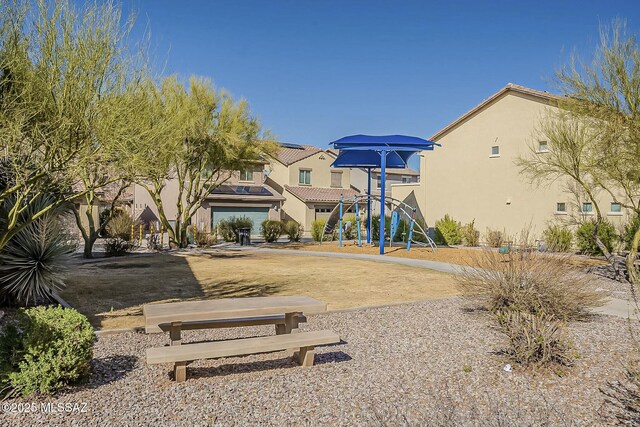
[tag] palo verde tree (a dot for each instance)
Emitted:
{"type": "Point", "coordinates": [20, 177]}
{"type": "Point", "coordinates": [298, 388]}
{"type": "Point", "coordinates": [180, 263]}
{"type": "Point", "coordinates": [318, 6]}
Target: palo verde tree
{"type": "Point", "coordinates": [594, 137]}
{"type": "Point", "coordinates": [61, 70]}
{"type": "Point", "coordinates": [206, 135]}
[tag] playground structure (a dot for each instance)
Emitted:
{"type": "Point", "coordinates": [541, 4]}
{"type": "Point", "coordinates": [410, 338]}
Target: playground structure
{"type": "Point", "coordinates": [401, 211]}
{"type": "Point", "coordinates": [387, 151]}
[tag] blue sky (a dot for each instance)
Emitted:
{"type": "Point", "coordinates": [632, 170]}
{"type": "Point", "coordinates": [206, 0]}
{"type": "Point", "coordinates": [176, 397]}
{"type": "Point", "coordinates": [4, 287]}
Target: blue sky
{"type": "Point", "coordinates": [314, 71]}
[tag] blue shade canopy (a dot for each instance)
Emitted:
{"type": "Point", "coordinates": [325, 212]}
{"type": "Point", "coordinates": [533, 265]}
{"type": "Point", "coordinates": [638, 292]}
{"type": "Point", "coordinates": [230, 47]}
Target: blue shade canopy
{"type": "Point", "coordinates": [364, 150]}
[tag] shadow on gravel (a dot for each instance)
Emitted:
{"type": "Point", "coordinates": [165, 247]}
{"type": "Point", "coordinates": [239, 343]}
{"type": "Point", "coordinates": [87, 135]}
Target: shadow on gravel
{"type": "Point", "coordinates": [109, 369]}
{"type": "Point", "coordinates": [261, 366]}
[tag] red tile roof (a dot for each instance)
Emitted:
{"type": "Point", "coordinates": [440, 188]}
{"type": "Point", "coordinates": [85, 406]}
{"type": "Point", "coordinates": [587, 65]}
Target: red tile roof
{"type": "Point", "coordinates": [321, 194]}
{"type": "Point", "coordinates": [288, 156]}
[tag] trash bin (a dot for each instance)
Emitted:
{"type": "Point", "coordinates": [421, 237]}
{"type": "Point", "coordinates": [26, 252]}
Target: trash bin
{"type": "Point", "coordinates": [244, 236]}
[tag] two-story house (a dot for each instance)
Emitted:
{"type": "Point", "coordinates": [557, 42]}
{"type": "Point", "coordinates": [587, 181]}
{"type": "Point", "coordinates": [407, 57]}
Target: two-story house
{"type": "Point", "coordinates": [474, 174]}
{"type": "Point", "coordinates": [311, 187]}
{"type": "Point", "coordinates": [244, 193]}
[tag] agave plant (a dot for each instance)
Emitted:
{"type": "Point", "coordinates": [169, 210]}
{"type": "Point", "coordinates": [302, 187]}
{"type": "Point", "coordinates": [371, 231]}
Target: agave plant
{"type": "Point", "coordinates": [31, 263]}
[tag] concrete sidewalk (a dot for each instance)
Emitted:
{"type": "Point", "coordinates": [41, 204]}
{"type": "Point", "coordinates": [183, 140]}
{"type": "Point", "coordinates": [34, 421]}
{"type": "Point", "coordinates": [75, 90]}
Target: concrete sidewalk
{"type": "Point", "coordinates": [614, 307]}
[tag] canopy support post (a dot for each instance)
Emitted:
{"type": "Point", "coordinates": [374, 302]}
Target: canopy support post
{"type": "Point", "coordinates": [340, 222]}
{"type": "Point", "coordinates": [368, 206]}
{"type": "Point", "coordinates": [383, 166]}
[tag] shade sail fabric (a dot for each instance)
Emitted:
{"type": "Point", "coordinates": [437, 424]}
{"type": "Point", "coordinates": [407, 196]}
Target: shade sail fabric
{"type": "Point", "coordinates": [364, 150]}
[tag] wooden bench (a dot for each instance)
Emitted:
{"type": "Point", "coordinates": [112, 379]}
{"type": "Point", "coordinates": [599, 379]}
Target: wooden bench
{"type": "Point", "coordinates": [182, 355]}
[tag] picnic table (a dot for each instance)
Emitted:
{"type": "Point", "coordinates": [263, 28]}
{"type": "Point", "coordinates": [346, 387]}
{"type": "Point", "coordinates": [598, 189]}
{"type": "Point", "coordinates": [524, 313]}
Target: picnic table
{"type": "Point", "coordinates": [285, 312]}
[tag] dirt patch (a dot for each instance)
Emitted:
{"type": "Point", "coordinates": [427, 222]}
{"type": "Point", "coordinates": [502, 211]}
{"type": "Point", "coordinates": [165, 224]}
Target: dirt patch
{"type": "Point", "coordinates": [112, 293]}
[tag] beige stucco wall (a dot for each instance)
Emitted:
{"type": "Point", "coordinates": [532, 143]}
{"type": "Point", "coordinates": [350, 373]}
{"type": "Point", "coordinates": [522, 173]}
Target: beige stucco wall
{"type": "Point", "coordinates": [320, 166]}
{"type": "Point", "coordinates": [463, 180]}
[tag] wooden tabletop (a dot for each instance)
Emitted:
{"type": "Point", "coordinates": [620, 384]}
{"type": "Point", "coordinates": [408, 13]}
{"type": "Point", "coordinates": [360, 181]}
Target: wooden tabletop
{"type": "Point", "coordinates": [230, 308]}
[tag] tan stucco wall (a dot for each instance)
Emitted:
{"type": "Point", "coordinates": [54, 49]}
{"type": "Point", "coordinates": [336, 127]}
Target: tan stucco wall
{"type": "Point", "coordinates": [462, 180]}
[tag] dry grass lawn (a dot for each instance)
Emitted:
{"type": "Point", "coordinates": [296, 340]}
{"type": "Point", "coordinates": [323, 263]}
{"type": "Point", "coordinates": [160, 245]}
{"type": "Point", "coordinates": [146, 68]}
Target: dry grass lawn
{"type": "Point", "coordinates": [453, 255]}
{"type": "Point", "coordinates": [111, 292]}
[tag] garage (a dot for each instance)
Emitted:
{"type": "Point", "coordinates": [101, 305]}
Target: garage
{"type": "Point", "coordinates": [256, 214]}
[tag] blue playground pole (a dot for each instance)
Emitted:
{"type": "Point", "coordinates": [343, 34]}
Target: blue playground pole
{"type": "Point", "coordinates": [368, 206]}
{"type": "Point", "coordinates": [413, 221]}
{"type": "Point", "coordinates": [340, 232]}
{"type": "Point", "coordinates": [383, 166]}
{"type": "Point", "coordinates": [355, 199]}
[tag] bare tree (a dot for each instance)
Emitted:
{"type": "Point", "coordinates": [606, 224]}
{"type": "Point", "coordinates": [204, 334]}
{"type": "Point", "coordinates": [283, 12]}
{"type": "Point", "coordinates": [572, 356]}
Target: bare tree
{"type": "Point", "coordinates": [594, 137]}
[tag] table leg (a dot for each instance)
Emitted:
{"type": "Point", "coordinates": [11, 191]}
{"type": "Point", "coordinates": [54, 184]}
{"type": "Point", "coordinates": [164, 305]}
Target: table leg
{"type": "Point", "coordinates": [291, 327]}
{"type": "Point", "coordinates": [180, 371]}
{"type": "Point", "coordinates": [306, 356]}
{"type": "Point", "coordinates": [174, 333]}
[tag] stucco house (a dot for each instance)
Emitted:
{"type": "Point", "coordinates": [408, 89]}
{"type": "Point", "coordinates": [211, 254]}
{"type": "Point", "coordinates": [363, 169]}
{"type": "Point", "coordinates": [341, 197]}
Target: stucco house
{"type": "Point", "coordinates": [244, 193]}
{"type": "Point", "coordinates": [310, 186]}
{"type": "Point", "coordinates": [473, 174]}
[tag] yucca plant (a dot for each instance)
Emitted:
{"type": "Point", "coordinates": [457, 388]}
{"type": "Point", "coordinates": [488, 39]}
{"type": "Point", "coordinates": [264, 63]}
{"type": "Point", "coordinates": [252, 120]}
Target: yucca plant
{"type": "Point", "coordinates": [31, 263]}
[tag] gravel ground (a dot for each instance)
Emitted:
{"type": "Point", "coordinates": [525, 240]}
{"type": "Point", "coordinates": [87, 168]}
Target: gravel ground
{"type": "Point", "coordinates": [429, 363]}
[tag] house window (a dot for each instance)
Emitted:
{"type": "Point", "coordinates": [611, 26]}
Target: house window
{"type": "Point", "coordinates": [495, 151]}
{"type": "Point", "coordinates": [304, 177]}
{"type": "Point", "coordinates": [561, 207]}
{"type": "Point", "coordinates": [587, 207]}
{"type": "Point", "coordinates": [616, 207]}
{"type": "Point", "coordinates": [336, 179]}
{"type": "Point", "coordinates": [379, 183]}
{"type": "Point", "coordinates": [246, 176]}
{"type": "Point", "coordinates": [406, 179]}
{"type": "Point", "coordinates": [543, 146]}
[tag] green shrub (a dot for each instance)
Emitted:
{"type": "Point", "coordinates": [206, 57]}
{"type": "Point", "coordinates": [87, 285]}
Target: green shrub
{"type": "Point", "coordinates": [32, 263]}
{"type": "Point", "coordinates": [293, 230]}
{"type": "Point", "coordinates": [535, 339]}
{"type": "Point", "coordinates": [349, 232]}
{"type": "Point", "coordinates": [447, 231]}
{"type": "Point", "coordinates": [403, 227]}
{"type": "Point", "coordinates": [584, 237]}
{"type": "Point", "coordinates": [49, 349]}
{"type": "Point", "coordinates": [557, 239]}
{"type": "Point", "coordinates": [629, 231]}
{"type": "Point", "coordinates": [117, 247]}
{"type": "Point", "coordinates": [228, 228]}
{"type": "Point", "coordinates": [317, 229]}
{"type": "Point", "coordinates": [271, 230]}
{"type": "Point", "coordinates": [495, 238]}
{"type": "Point", "coordinates": [226, 231]}
{"type": "Point", "coordinates": [470, 236]}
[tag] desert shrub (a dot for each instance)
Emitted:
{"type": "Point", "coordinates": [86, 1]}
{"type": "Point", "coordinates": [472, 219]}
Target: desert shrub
{"type": "Point", "coordinates": [48, 349]}
{"type": "Point", "coordinates": [271, 230]}
{"type": "Point", "coordinates": [293, 230]}
{"type": "Point", "coordinates": [531, 282]}
{"type": "Point", "coordinates": [202, 238]}
{"type": "Point", "coordinates": [622, 397]}
{"type": "Point", "coordinates": [557, 239]}
{"type": "Point", "coordinates": [32, 263]}
{"type": "Point", "coordinates": [494, 238]}
{"type": "Point", "coordinates": [317, 228]}
{"type": "Point", "coordinates": [448, 231]}
{"type": "Point", "coordinates": [535, 339]}
{"type": "Point", "coordinates": [228, 228]}
{"type": "Point", "coordinates": [629, 231]}
{"type": "Point", "coordinates": [120, 226]}
{"type": "Point", "coordinates": [584, 237]}
{"type": "Point", "coordinates": [470, 236]}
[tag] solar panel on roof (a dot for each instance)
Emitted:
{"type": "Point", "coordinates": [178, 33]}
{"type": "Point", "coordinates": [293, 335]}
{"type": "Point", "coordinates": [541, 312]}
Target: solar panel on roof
{"type": "Point", "coordinates": [290, 145]}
